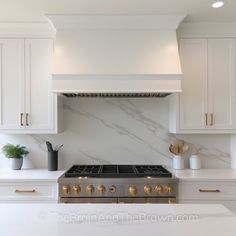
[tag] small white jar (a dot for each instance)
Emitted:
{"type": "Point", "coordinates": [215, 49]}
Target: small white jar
{"type": "Point", "coordinates": [195, 162]}
{"type": "Point", "coordinates": [178, 162]}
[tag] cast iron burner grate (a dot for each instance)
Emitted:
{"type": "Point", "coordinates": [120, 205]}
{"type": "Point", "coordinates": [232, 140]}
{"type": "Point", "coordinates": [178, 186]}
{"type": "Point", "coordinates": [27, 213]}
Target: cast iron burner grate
{"type": "Point", "coordinates": [117, 171]}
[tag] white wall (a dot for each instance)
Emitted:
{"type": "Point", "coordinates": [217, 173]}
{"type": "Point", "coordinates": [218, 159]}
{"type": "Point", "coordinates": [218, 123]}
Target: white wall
{"type": "Point", "coordinates": [118, 130]}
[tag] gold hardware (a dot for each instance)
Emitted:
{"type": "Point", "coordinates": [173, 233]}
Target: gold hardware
{"type": "Point", "coordinates": [21, 119]}
{"type": "Point", "coordinates": [209, 190]}
{"type": "Point", "coordinates": [112, 189]}
{"type": "Point", "coordinates": [27, 119]}
{"type": "Point", "coordinates": [212, 119]}
{"type": "Point", "coordinates": [206, 119]}
{"type": "Point", "coordinates": [66, 189]}
{"type": "Point", "coordinates": [90, 189]}
{"type": "Point", "coordinates": [159, 189]}
{"type": "Point", "coordinates": [25, 191]}
{"type": "Point", "coordinates": [77, 189]}
{"type": "Point", "coordinates": [101, 189]}
{"type": "Point", "coordinates": [171, 201]}
{"type": "Point", "coordinates": [147, 189]}
{"type": "Point", "coordinates": [169, 189]}
{"type": "Point", "coordinates": [133, 190]}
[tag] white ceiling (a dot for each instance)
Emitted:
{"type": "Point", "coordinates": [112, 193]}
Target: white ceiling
{"type": "Point", "coordinates": [34, 10]}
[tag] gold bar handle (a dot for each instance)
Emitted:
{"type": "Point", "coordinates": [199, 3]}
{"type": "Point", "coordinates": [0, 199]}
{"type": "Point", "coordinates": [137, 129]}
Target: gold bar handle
{"type": "Point", "coordinates": [25, 191]}
{"type": "Point", "coordinates": [209, 190]}
{"type": "Point", "coordinates": [21, 119]}
{"type": "Point", "coordinates": [206, 119]}
{"type": "Point", "coordinates": [212, 119]}
{"type": "Point", "coordinates": [27, 119]}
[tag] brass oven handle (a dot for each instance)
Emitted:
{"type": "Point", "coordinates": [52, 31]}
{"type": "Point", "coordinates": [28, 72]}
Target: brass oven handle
{"type": "Point", "coordinates": [25, 191]}
{"type": "Point", "coordinates": [206, 119]}
{"type": "Point", "coordinates": [212, 119]}
{"type": "Point", "coordinates": [27, 119]}
{"type": "Point", "coordinates": [21, 119]}
{"type": "Point", "coordinates": [209, 190]}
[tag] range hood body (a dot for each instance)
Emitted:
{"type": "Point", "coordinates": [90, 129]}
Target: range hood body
{"type": "Point", "coordinates": [116, 54]}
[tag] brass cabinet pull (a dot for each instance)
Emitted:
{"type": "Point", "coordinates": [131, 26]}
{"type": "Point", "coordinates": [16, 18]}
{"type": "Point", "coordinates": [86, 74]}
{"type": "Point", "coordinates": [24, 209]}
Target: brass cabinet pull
{"type": "Point", "coordinates": [21, 119]}
{"type": "Point", "coordinates": [209, 190]}
{"type": "Point", "coordinates": [27, 119]}
{"type": "Point", "coordinates": [212, 119]}
{"type": "Point", "coordinates": [206, 119]}
{"type": "Point", "coordinates": [25, 191]}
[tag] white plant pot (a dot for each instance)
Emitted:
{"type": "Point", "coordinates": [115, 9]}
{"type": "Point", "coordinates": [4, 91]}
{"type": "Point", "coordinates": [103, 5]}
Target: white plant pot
{"type": "Point", "coordinates": [16, 163]}
{"type": "Point", "coordinates": [178, 162]}
{"type": "Point", "coordinates": [195, 162]}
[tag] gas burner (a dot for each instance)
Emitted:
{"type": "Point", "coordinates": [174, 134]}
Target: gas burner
{"type": "Point", "coordinates": [83, 170]}
{"type": "Point", "coordinates": [152, 170]}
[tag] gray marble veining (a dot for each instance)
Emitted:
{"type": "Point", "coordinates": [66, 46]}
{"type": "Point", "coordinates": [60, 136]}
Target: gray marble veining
{"type": "Point", "coordinates": [120, 130]}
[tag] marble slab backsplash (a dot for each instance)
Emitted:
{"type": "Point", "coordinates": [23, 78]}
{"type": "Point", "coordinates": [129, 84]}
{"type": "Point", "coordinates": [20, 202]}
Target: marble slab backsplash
{"type": "Point", "coordinates": [118, 130]}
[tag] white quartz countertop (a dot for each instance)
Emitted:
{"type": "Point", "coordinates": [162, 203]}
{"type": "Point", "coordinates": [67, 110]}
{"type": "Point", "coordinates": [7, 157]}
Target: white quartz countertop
{"type": "Point", "coordinates": [205, 174]}
{"type": "Point", "coordinates": [7, 175]}
{"type": "Point", "coordinates": [116, 219]}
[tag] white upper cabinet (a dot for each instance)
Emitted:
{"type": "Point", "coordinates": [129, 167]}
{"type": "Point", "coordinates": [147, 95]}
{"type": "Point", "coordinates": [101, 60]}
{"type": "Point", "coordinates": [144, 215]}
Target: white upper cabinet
{"type": "Point", "coordinates": [11, 83]}
{"type": "Point", "coordinates": [39, 100]}
{"type": "Point", "coordinates": [27, 105]}
{"type": "Point", "coordinates": [208, 102]}
{"type": "Point", "coordinates": [221, 81]}
{"type": "Point", "coordinates": [193, 99]}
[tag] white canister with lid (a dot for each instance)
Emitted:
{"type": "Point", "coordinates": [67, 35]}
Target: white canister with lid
{"type": "Point", "coordinates": [178, 162]}
{"type": "Point", "coordinates": [195, 162]}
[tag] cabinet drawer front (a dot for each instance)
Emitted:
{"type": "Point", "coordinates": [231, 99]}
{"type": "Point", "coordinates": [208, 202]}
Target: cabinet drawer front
{"type": "Point", "coordinates": [28, 191]}
{"type": "Point", "coordinates": [207, 190]}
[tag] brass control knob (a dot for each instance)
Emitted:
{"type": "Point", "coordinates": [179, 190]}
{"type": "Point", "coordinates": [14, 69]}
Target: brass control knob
{"type": "Point", "coordinates": [101, 189]}
{"type": "Point", "coordinates": [159, 189]}
{"type": "Point", "coordinates": [133, 190]}
{"type": "Point", "coordinates": [112, 189]}
{"type": "Point", "coordinates": [169, 189]}
{"type": "Point", "coordinates": [77, 189]}
{"type": "Point", "coordinates": [90, 189]}
{"type": "Point", "coordinates": [147, 189]}
{"type": "Point", "coordinates": [66, 189]}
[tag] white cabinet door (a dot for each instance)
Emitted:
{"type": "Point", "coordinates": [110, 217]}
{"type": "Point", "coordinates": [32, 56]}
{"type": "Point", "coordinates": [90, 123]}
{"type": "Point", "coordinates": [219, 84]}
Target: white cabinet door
{"type": "Point", "coordinates": [11, 83]}
{"type": "Point", "coordinates": [221, 80]}
{"type": "Point", "coordinates": [193, 99]}
{"type": "Point", "coordinates": [39, 100]}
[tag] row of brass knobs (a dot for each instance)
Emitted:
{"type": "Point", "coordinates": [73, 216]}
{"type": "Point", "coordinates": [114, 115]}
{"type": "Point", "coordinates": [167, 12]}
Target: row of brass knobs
{"type": "Point", "coordinates": [132, 190]}
{"type": "Point", "coordinates": [148, 190]}
{"type": "Point", "coordinates": [90, 189]}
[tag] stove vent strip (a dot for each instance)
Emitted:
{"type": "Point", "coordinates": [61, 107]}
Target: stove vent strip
{"type": "Point", "coordinates": [113, 95]}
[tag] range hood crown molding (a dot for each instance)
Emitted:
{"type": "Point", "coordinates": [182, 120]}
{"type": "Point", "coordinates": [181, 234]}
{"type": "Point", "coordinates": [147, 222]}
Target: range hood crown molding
{"type": "Point", "coordinates": [115, 22]}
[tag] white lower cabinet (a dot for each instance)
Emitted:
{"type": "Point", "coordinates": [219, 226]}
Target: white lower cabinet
{"type": "Point", "coordinates": [30, 192]}
{"type": "Point", "coordinates": [208, 192]}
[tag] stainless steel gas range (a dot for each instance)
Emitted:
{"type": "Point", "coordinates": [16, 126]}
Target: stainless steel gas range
{"type": "Point", "coordinates": [117, 184]}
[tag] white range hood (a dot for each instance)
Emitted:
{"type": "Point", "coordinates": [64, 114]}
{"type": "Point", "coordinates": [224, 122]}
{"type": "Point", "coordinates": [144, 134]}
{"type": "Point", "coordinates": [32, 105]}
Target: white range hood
{"type": "Point", "coordinates": [116, 54]}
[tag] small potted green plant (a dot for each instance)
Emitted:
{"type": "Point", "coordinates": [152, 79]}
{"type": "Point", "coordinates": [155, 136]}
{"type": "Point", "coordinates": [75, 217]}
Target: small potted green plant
{"type": "Point", "coordinates": [16, 154]}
